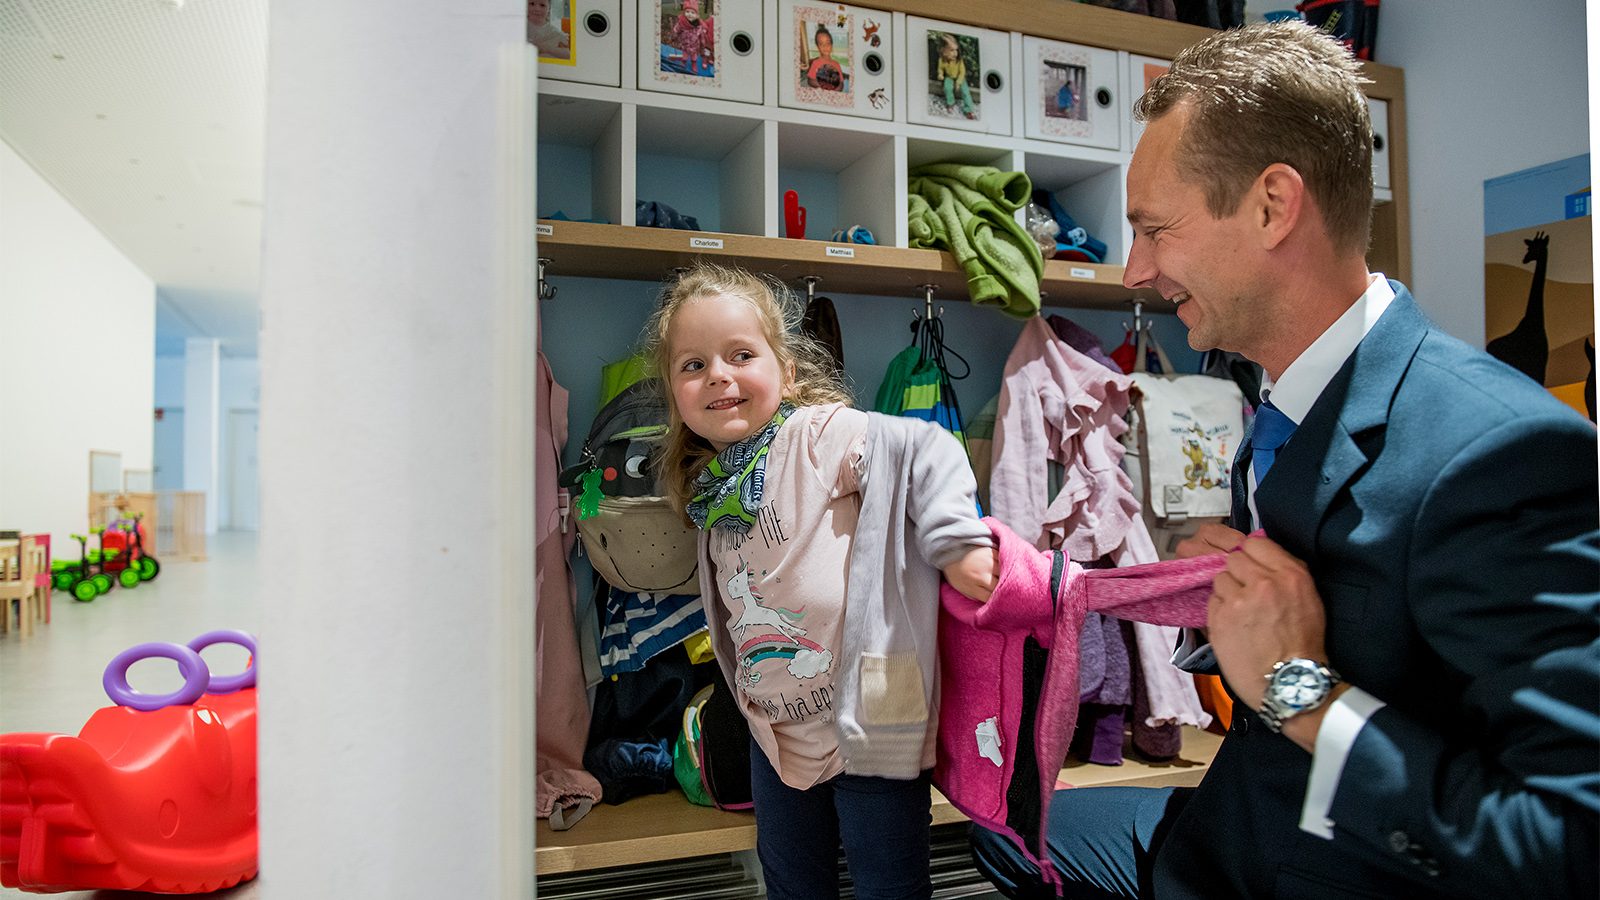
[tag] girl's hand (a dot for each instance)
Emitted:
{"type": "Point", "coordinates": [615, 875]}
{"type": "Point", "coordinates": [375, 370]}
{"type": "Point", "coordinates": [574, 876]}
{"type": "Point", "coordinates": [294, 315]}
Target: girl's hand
{"type": "Point", "coordinates": [976, 573]}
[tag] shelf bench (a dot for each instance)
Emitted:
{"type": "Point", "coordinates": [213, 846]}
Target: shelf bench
{"type": "Point", "coordinates": [667, 826]}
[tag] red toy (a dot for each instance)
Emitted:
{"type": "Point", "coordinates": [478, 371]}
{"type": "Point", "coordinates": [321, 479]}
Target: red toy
{"type": "Point", "coordinates": [155, 794]}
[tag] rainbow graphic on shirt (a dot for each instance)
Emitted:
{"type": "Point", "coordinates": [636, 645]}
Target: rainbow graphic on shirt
{"type": "Point", "coordinates": [803, 658]}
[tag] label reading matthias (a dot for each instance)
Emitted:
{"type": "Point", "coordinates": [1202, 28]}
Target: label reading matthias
{"type": "Point", "coordinates": [842, 252]}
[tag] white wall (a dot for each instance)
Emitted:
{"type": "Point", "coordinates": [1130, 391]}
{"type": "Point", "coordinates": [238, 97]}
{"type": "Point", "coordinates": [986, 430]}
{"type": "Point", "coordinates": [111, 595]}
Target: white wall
{"type": "Point", "coordinates": [77, 328]}
{"type": "Point", "coordinates": [396, 742]}
{"type": "Point", "coordinates": [1491, 88]}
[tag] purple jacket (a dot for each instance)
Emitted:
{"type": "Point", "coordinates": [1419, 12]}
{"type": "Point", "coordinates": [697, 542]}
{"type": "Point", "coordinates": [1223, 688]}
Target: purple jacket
{"type": "Point", "coordinates": [1009, 682]}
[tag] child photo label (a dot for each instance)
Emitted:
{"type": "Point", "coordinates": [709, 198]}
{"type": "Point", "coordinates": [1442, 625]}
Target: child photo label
{"type": "Point", "coordinates": [686, 34]}
{"type": "Point", "coordinates": [823, 52]}
{"type": "Point", "coordinates": [954, 67]}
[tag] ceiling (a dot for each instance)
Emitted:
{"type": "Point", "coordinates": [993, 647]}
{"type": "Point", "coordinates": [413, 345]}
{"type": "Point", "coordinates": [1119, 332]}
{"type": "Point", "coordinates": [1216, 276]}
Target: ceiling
{"type": "Point", "coordinates": [148, 117]}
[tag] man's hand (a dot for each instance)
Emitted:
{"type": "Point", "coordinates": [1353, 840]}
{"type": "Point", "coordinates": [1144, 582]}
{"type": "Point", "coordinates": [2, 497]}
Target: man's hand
{"type": "Point", "coordinates": [1264, 607]}
{"type": "Point", "coordinates": [976, 573]}
{"type": "Point", "coordinates": [1213, 537]}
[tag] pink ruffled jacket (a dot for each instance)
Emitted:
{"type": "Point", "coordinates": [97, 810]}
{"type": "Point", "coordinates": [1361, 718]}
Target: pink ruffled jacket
{"type": "Point", "coordinates": [1059, 405]}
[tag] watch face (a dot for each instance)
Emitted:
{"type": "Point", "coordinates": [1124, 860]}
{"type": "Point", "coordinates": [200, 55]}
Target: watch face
{"type": "Point", "coordinates": [1298, 685]}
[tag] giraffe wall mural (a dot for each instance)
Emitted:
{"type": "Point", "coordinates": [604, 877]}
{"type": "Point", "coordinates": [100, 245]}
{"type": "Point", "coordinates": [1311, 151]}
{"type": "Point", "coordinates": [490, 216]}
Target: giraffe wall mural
{"type": "Point", "coordinates": [1539, 277]}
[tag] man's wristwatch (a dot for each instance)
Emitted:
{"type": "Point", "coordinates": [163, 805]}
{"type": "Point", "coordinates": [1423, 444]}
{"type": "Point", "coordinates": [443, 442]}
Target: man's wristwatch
{"type": "Point", "coordinates": [1294, 686]}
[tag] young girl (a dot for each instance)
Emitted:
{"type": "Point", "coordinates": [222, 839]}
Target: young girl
{"type": "Point", "coordinates": [953, 73]}
{"type": "Point", "coordinates": [822, 621]}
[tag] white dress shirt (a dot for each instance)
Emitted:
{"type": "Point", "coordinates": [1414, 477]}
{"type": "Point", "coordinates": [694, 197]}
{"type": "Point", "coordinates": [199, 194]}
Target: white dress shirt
{"type": "Point", "coordinates": [1294, 393]}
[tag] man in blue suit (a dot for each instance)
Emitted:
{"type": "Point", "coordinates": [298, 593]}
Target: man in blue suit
{"type": "Point", "coordinates": [1414, 648]}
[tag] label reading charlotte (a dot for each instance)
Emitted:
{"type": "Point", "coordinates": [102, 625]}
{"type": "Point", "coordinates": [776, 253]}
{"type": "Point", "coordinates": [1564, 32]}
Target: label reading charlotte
{"type": "Point", "coordinates": [1082, 273]}
{"type": "Point", "coordinates": [845, 252]}
{"type": "Point", "coordinates": [705, 243]}
{"type": "Point", "coordinates": [544, 230]}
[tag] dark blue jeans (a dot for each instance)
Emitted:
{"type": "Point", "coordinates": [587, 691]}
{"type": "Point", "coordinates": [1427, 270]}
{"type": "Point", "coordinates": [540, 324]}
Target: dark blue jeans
{"type": "Point", "coordinates": [882, 822]}
{"type": "Point", "coordinates": [1103, 841]}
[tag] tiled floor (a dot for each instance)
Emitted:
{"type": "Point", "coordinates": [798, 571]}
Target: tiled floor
{"type": "Point", "coordinates": [51, 680]}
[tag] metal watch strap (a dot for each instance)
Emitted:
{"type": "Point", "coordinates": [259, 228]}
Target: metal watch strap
{"type": "Point", "coordinates": [1270, 718]}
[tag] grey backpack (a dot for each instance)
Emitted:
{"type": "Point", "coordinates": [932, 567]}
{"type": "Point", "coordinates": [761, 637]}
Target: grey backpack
{"type": "Point", "coordinates": [631, 534]}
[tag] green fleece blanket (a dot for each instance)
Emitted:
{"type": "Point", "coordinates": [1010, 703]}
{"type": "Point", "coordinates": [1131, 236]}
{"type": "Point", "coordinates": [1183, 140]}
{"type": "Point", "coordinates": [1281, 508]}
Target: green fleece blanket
{"type": "Point", "coordinates": [968, 210]}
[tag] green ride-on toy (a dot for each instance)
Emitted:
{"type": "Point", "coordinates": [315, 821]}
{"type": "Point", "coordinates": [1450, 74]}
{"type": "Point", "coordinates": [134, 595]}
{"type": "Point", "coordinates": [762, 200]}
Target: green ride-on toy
{"type": "Point", "coordinates": [87, 578]}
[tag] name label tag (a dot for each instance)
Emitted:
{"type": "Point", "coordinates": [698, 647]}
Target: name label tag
{"type": "Point", "coordinates": [842, 252]}
{"type": "Point", "coordinates": [1082, 273]}
{"type": "Point", "coordinates": [705, 243]}
{"type": "Point", "coordinates": [544, 230]}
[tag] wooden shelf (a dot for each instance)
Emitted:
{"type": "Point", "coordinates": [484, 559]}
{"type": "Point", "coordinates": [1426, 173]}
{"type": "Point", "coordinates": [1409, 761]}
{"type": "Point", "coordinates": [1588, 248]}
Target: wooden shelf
{"type": "Point", "coordinates": [650, 254]}
{"type": "Point", "coordinates": [667, 826]}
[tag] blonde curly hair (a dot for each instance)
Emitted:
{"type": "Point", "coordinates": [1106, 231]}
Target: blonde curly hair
{"type": "Point", "coordinates": [811, 376]}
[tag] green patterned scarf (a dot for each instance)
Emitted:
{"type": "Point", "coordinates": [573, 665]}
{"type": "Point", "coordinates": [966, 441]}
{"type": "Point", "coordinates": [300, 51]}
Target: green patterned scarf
{"type": "Point", "coordinates": [728, 489]}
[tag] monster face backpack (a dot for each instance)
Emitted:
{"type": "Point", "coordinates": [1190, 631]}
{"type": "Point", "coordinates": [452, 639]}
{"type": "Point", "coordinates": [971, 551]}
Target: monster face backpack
{"type": "Point", "coordinates": [631, 534]}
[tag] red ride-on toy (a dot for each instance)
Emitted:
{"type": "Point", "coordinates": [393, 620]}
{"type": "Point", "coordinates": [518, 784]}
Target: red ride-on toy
{"type": "Point", "coordinates": [157, 793]}
{"type": "Point", "coordinates": [132, 563]}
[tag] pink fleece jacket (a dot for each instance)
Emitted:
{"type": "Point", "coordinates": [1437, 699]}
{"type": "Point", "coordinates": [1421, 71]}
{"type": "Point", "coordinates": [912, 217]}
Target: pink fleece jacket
{"type": "Point", "coordinates": [991, 685]}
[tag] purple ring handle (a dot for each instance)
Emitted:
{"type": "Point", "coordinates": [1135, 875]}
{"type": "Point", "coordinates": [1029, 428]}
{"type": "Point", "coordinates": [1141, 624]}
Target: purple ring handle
{"type": "Point", "coordinates": [227, 684]}
{"type": "Point", "coordinates": [195, 677]}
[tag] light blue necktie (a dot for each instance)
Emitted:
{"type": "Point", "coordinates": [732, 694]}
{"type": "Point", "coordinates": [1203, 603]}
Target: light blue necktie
{"type": "Point", "coordinates": [1270, 432]}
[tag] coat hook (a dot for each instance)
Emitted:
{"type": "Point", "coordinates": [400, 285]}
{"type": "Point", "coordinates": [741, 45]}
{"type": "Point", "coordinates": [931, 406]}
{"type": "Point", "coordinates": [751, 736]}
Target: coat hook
{"type": "Point", "coordinates": [547, 291]}
{"type": "Point", "coordinates": [927, 302]}
{"type": "Point", "coordinates": [1138, 315]}
{"type": "Point", "coordinates": [811, 287]}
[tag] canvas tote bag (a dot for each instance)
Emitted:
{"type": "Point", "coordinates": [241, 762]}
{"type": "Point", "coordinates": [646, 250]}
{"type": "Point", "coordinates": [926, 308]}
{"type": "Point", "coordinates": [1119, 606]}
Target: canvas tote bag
{"type": "Point", "coordinates": [1183, 433]}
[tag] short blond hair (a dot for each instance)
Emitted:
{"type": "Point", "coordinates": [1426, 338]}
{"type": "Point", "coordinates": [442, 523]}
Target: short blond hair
{"type": "Point", "coordinates": [812, 377]}
{"type": "Point", "coordinates": [1279, 92]}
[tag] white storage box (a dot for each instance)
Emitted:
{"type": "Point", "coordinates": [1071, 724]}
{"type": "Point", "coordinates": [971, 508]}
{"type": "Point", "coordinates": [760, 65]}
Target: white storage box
{"type": "Point", "coordinates": [836, 58]}
{"type": "Point", "coordinates": [580, 40]}
{"type": "Point", "coordinates": [979, 100]}
{"type": "Point", "coordinates": [1070, 93]}
{"type": "Point", "coordinates": [704, 48]}
{"type": "Point", "coordinates": [1380, 143]}
{"type": "Point", "coordinates": [1141, 71]}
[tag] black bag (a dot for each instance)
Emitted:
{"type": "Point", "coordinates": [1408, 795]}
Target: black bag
{"type": "Point", "coordinates": [711, 759]}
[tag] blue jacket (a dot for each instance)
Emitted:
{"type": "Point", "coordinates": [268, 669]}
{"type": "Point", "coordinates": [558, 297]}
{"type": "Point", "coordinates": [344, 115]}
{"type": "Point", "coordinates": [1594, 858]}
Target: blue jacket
{"type": "Point", "coordinates": [1446, 505]}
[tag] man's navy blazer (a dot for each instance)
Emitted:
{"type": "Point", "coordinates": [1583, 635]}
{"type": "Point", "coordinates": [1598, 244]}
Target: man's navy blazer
{"type": "Point", "coordinates": [1447, 508]}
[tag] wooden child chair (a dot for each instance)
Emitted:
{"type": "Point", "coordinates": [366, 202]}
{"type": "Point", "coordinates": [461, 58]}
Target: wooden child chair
{"type": "Point", "coordinates": [17, 582]}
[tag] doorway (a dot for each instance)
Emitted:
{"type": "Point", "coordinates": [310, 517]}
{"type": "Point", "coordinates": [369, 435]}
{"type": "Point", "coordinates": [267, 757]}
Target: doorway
{"type": "Point", "coordinates": [168, 462]}
{"type": "Point", "coordinates": [244, 477]}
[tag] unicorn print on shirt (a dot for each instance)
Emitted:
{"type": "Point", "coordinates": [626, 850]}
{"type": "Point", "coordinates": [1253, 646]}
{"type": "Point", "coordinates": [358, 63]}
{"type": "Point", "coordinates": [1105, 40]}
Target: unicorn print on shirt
{"type": "Point", "coordinates": [742, 587]}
